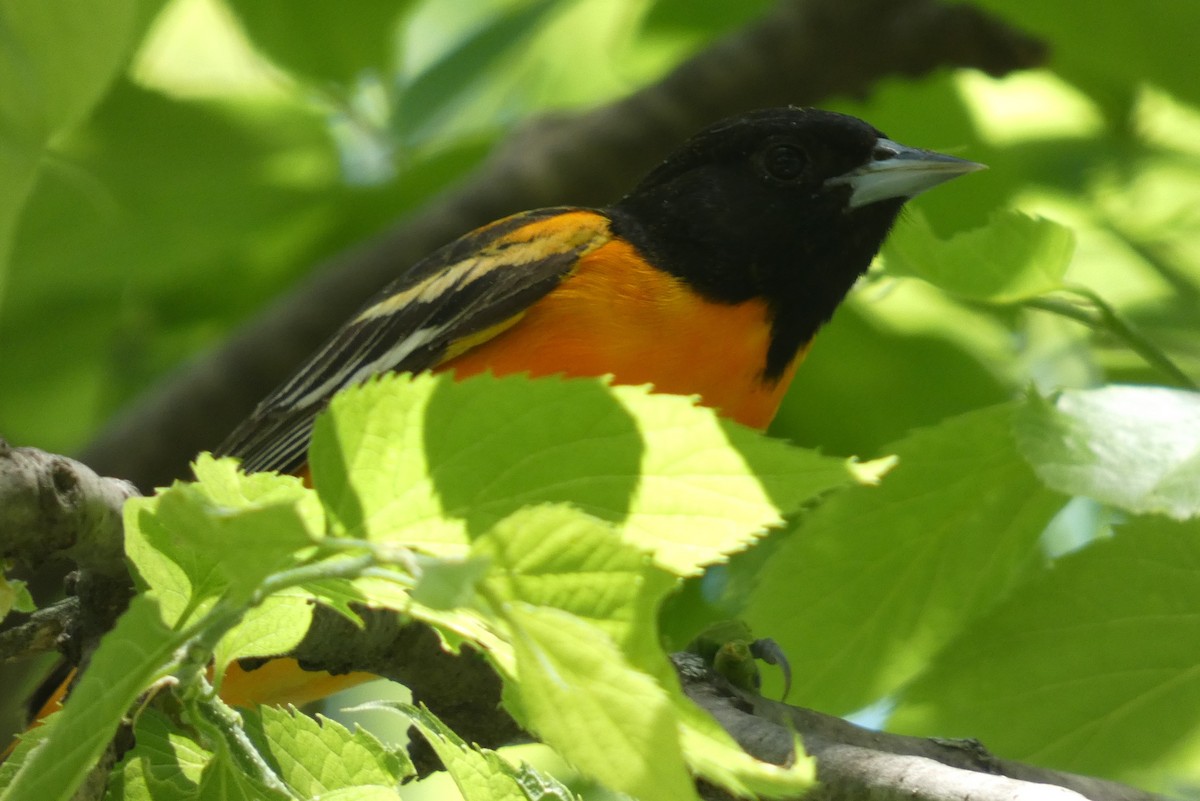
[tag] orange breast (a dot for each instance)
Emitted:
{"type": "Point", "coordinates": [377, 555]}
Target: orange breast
{"type": "Point", "coordinates": [616, 315]}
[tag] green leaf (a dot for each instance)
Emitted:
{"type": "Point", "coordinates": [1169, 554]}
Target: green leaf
{"type": "Point", "coordinates": [223, 780]}
{"type": "Point", "coordinates": [539, 786]}
{"type": "Point", "coordinates": [1137, 448]}
{"type": "Point", "coordinates": [436, 462]}
{"type": "Point", "coordinates": [480, 774]}
{"type": "Point", "coordinates": [318, 756]}
{"type": "Point", "coordinates": [130, 658]}
{"type": "Point", "coordinates": [14, 595]}
{"type": "Point", "coordinates": [427, 102]}
{"type": "Point", "coordinates": [582, 697]}
{"type": "Point", "coordinates": [325, 41]}
{"type": "Point", "coordinates": [1119, 50]}
{"type": "Point", "coordinates": [316, 759]}
{"type": "Point", "coordinates": [23, 746]}
{"type": "Point", "coordinates": [1014, 257]}
{"type": "Point", "coordinates": [58, 59]}
{"type": "Point", "coordinates": [181, 539]}
{"type": "Point", "coordinates": [706, 17]}
{"type": "Point", "coordinates": [876, 580]}
{"type": "Point", "coordinates": [18, 174]}
{"type": "Point", "coordinates": [163, 763]}
{"type": "Point", "coordinates": [860, 358]}
{"type": "Point", "coordinates": [223, 482]}
{"type": "Point", "coordinates": [272, 627]}
{"type": "Point", "coordinates": [1090, 667]}
{"type": "Point", "coordinates": [447, 584]}
{"type": "Point", "coordinates": [559, 557]}
{"type": "Point", "coordinates": [363, 793]}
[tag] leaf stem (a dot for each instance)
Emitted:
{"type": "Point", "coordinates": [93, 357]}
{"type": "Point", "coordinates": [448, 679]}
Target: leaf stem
{"type": "Point", "coordinates": [1103, 316]}
{"type": "Point", "coordinates": [224, 728]}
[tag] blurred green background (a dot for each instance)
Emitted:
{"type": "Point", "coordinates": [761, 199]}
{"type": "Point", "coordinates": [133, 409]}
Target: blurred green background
{"type": "Point", "coordinates": [178, 164]}
{"type": "Point", "coordinates": [237, 151]}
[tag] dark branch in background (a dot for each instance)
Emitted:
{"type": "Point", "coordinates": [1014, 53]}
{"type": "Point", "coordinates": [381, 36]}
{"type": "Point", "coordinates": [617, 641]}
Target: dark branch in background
{"type": "Point", "coordinates": [801, 53]}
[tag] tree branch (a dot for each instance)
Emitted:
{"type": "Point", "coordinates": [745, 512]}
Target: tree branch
{"type": "Point", "coordinates": [858, 763]}
{"type": "Point", "coordinates": [802, 52]}
{"type": "Point", "coordinates": [51, 505]}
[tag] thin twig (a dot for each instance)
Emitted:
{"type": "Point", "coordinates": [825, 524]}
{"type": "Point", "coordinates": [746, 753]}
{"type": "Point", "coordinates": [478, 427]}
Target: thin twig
{"type": "Point", "coordinates": [1103, 317]}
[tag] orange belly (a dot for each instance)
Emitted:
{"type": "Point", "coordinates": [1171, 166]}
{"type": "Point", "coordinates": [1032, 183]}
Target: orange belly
{"type": "Point", "coordinates": [615, 315]}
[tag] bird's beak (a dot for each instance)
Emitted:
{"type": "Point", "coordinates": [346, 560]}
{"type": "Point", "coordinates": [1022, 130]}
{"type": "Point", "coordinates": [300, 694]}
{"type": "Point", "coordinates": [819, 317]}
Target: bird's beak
{"type": "Point", "coordinates": [897, 171]}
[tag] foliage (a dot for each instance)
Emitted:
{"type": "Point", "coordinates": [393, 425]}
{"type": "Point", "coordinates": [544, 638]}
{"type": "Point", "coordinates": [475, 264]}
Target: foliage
{"type": "Point", "coordinates": [563, 598]}
{"type": "Point", "coordinates": [1026, 574]}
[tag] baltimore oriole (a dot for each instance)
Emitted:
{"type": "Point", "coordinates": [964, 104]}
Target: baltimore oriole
{"type": "Point", "coordinates": [710, 278]}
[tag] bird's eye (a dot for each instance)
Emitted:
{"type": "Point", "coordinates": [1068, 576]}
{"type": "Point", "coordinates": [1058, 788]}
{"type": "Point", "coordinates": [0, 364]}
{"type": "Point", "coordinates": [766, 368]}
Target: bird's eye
{"type": "Point", "coordinates": [785, 162]}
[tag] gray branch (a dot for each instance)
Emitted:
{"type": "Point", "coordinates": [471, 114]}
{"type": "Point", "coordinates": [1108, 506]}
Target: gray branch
{"type": "Point", "coordinates": [858, 763]}
{"type": "Point", "coordinates": [52, 505]}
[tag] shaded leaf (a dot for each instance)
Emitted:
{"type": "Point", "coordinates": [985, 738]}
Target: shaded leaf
{"type": "Point", "coordinates": [325, 41]}
{"type": "Point", "coordinates": [876, 580]}
{"type": "Point", "coordinates": [163, 763]}
{"type": "Point", "coordinates": [1014, 257]}
{"type": "Point", "coordinates": [57, 61]}
{"type": "Point", "coordinates": [1089, 667]}
{"type": "Point", "coordinates": [427, 100]}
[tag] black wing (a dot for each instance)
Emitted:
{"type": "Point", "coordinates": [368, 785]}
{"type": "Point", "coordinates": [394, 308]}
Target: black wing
{"type": "Point", "coordinates": [476, 285]}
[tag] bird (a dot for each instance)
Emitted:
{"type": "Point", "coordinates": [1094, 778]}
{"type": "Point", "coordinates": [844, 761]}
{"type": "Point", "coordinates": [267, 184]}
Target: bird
{"type": "Point", "coordinates": [710, 278]}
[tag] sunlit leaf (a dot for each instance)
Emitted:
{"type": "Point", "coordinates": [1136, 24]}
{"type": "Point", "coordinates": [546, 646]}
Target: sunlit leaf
{"type": "Point", "coordinates": [583, 698]}
{"type": "Point", "coordinates": [480, 774]}
{"type": "Point", "coordinates": [429, 462]}
{"type": "Point", "coordinates": [181, 539]}
{"type": "Point", "coordinates": [318, 756]}
{"type": "Point", "coordinates": [556, 556]}
{"type": "Point", "coordinates": [1137, 448]}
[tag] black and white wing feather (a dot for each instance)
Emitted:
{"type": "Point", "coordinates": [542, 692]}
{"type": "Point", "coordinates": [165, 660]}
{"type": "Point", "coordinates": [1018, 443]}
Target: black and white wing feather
{"type": "Point", "coordinates": [480, 283]}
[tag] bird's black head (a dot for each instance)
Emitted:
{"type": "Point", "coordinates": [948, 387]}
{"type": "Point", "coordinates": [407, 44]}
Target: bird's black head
{"type": "Point", "coordinates": [786, 204]}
